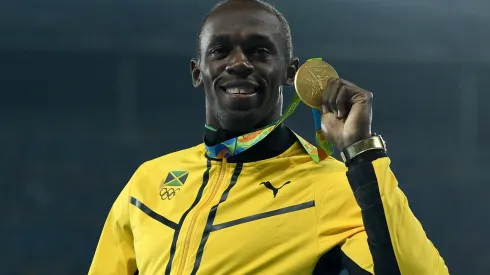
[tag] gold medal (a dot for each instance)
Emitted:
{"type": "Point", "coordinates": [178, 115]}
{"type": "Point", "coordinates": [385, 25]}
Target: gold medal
{"type": "Point", "coordinates": [311, 80]}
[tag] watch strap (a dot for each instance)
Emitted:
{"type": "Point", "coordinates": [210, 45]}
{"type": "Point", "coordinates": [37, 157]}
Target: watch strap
{"type": "Point", "coordinates": [375, 142]}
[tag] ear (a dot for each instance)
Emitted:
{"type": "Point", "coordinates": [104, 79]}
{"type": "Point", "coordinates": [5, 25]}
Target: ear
{"type": "Point", "coordinates": [291, 71]}
{"type": "Point", "coordinates": [195, 73]}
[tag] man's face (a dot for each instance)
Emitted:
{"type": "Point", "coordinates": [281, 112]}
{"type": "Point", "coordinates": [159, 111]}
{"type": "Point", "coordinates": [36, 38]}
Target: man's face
{"type": "Point", "coordinates": [242, 66]}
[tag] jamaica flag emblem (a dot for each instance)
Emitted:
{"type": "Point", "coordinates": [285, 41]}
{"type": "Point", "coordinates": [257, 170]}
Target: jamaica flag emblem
{"type": "Point", "coordinates": [171, 185]}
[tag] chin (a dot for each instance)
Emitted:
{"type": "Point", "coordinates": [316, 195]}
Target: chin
{"type": "Point", "coordinates": [240, 121]}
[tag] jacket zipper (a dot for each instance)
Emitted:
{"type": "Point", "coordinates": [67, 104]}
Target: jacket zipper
{"type": "Point", "coordinates": [196, 215]}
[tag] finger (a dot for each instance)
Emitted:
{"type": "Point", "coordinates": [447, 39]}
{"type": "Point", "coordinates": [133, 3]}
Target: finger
{"type": "Point", "coordinates": [331, 127]}
{"type": "Point", "coordinates": [329, 95]}
{"type": "Point", "coordinates": [342, 102]}
{"type": "Point", "coordinates": [325, 107]}
{"type": "Point", "coordinates": [356, 94]}
{"type": "Point", "coordinates": [332, 96]}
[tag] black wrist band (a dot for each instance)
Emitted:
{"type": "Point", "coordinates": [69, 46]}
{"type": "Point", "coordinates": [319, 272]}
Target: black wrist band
{"type": "Point", "coordinates": [368, 156]}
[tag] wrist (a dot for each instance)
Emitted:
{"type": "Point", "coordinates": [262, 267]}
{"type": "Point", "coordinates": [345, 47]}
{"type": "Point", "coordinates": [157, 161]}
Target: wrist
{"type": "Point", "coordinates": [356, 151]}
{"type": "Point", "coordinates": [356, 140]}
{"type": "Point", "coordinates": [366, 157]}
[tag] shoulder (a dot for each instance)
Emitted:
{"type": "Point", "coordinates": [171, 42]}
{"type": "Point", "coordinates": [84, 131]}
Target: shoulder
{"type": "Point", "coordinates": [192, 154]}
{"type": "Point", "coordinates": [181, 159]}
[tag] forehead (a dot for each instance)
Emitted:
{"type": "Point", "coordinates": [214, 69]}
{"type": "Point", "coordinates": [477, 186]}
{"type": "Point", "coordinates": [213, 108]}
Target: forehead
{"type": "Point", "coordinates": [240, 21]}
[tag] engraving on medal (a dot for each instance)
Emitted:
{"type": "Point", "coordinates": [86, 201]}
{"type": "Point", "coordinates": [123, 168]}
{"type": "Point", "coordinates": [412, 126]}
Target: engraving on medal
{"type": "Point", "coordinates": [316, 81]}
{"type": "Point", "coordinates": [310, 81]}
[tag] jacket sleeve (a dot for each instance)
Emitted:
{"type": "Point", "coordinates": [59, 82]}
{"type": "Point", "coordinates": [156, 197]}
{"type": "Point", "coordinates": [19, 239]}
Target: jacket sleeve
{"type": "Point", "coordinates": [115, 252]}
{"type": "Point", "coordinates": [395, 238]}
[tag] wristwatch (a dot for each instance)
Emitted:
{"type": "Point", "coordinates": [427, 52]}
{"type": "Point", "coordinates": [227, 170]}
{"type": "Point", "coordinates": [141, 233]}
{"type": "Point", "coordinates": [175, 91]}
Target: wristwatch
{"type": "Point", "coordinates": [375, 142]}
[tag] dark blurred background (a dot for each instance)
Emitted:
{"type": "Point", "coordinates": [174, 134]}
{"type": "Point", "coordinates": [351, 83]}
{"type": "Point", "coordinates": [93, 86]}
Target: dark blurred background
{"type": "Point", "coordinates": [91, 89]}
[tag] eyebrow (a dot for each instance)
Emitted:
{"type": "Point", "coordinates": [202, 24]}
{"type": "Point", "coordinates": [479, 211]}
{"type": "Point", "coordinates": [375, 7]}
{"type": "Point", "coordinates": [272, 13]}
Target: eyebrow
{"type": "Point", "coordinates": [219, 39]}
{"type": "Point", "coordinates": [261, 39]}
{"type": "Point", "coordinates": [249, 39]}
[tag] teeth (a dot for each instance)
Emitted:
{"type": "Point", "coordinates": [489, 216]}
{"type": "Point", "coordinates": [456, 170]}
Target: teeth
{"type": "Point", "coordinates": [239, 91]}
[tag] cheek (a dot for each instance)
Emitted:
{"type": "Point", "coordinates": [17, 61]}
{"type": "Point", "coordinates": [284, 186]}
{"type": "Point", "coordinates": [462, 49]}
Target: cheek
{"type": "Point", "coordinates": [207, 79]}
{"type": "Point", "coordinates": [208, 83]}
{"type": "Point", "coordinates": [208, 71]}
{"type": "Point", "coordinates": [276, 76]}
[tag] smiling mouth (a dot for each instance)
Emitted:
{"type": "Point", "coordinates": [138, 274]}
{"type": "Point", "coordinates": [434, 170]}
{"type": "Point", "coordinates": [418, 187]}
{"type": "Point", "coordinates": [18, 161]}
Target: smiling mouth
{"type": "Point", "coordinates": [240, 91]}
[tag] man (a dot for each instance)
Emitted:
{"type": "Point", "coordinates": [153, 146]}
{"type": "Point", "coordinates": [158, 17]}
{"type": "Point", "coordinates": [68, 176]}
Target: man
{"type": "Point", "coordinates": [259, 203]}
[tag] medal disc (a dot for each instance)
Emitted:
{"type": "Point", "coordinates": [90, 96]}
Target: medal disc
{"type": "Point", "coordinates": [311, 80]}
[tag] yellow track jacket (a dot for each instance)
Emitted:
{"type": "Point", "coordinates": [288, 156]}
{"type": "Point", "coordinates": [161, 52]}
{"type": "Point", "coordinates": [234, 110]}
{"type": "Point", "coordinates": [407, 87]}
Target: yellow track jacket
{"type": "Point", "coordinates": [184, 214]}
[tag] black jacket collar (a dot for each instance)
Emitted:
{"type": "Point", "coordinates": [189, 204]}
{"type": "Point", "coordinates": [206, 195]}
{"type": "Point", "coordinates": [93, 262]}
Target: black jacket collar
{"type": "Point", "coordinates": [274, 144]}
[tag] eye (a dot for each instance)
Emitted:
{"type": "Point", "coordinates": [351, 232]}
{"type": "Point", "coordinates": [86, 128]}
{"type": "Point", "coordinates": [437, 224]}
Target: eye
{"type": "Point", "coordinates": [218, 52]}
{"type": "Point", "coordinates": [262, 52]}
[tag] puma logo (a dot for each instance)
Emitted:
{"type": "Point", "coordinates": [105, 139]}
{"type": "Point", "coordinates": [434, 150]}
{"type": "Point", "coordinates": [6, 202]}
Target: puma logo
{"type": "Point", "coordinates": [269, 186]}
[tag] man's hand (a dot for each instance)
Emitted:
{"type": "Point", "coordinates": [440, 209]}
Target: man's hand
{"type": "Point", "coordinates": [347, 113]}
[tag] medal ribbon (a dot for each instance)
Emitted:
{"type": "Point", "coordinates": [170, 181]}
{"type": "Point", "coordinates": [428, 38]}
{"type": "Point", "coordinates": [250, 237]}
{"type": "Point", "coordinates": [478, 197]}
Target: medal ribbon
{"type": "Point", "coordinates": [235, 146]}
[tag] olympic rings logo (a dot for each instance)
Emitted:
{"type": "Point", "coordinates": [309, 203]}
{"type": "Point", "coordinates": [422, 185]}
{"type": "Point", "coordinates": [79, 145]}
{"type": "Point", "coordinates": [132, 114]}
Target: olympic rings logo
{"type": "Point", "coordinates": [168, 193]}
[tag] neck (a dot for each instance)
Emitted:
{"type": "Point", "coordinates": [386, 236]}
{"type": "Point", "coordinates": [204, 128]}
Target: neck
{"type": "Point", "coordinates": [274, 144]}
{"type": "Point", "coordinates": [220, 134]}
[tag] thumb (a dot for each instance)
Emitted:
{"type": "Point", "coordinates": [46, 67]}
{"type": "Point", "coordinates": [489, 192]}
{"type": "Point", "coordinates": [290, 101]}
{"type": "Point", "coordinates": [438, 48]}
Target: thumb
{"type": "Point", "coordinates": [331, 127]}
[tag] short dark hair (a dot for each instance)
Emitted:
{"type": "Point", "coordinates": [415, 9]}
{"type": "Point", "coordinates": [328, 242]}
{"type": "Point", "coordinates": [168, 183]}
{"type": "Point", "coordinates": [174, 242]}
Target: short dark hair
{"type": "Point", "coordinates": [268, 7]}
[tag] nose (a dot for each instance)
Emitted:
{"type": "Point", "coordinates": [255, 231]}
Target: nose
{"type": "Point", "coordinates": [239, 65]}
